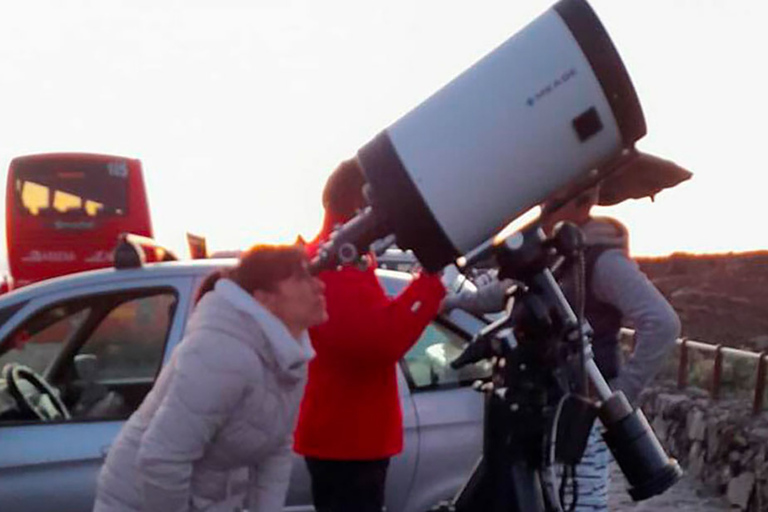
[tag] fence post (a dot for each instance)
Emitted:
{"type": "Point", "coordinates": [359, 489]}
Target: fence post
{"type": "Point", "coordinates": [717, 372]}
{"type": "Point", "coordinates": [757, 405]}
{"type": "Point", "coordinates": [682, 369]}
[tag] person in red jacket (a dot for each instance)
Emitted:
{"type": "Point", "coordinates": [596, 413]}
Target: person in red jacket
{"type": "Point", "coordinates": [350, 422]}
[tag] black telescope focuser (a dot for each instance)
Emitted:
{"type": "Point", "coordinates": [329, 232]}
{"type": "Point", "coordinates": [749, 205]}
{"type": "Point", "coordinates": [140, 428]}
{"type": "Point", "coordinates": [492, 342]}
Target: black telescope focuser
{"type": "Point", "coordinates": [349, 242]}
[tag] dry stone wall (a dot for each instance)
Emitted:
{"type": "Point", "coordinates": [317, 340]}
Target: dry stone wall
{"type": "Point", "coordinates": [718, 442]}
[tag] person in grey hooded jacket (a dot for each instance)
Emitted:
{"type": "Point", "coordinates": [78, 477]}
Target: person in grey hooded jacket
{"type": "Point", "coordinates": [617, 293]}
{"type": "Point", "coordinates": [215, 431]}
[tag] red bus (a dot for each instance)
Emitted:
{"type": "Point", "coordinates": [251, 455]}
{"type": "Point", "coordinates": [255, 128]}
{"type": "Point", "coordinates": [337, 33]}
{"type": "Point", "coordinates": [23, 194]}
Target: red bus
{"type": "Point", "coordinates": [64, 212]}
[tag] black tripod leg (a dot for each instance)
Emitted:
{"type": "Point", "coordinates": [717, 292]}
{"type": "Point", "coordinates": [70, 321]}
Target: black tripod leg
{"type": "Point", "coordinates": [475, 495]}
{"type": "Point", "coordinates": [520, 492]}
{"type": "Point", "coordinates": [526, 492]}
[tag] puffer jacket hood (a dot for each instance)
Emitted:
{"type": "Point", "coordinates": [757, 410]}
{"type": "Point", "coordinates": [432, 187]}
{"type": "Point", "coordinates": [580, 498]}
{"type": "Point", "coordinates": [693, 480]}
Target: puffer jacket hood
{"type": "Point", "coordinates": [289, 354]}
{"type": "Point", "coordinates": [605, 231]}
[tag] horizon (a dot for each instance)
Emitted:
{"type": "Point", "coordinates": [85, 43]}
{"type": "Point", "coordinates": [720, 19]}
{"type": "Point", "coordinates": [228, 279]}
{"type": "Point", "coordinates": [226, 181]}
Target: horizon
{"type": "Point", "coordinates": [238, 112]}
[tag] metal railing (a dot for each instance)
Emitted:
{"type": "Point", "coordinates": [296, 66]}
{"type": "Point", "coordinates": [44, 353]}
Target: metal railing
{"type": "Point", "coordinates": [720, 352]}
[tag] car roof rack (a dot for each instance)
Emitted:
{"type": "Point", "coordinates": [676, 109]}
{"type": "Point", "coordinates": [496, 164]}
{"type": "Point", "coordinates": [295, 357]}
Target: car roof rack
{"type": "Point", "coordinates": [132, 251]}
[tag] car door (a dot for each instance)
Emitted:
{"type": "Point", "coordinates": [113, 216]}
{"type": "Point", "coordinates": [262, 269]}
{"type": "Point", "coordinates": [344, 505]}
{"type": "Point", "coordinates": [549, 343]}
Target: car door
{"type": "Point", "coordinates": [104, 342]}
{"type": "Point", "coordinates": [448, 410]}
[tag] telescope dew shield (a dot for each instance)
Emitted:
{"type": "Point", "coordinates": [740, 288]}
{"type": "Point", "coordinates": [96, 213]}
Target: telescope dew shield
{"type": "Point", "coordinates": [549, 105]}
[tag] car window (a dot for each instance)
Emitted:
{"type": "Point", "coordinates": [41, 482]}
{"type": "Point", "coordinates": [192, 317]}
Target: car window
{"type": "Point", "coordinates": [7, 312]}
{"type": "Point", "coordinates": [129, 342]}
{"type": "Point", "coordinates": [37, 343]}
{"type": "Point", "coordinates": [99, 354]}
{"type": "Point", "coordinates": [427, 363]}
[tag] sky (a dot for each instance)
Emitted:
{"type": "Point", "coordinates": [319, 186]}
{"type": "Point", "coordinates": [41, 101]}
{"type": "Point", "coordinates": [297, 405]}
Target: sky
{"type": "Point", "coordinates": [238, 110]}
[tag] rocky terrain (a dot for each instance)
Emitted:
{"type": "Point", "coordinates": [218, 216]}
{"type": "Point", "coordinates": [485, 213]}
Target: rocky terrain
{"type": "Point", "coordinates": [720, 298]}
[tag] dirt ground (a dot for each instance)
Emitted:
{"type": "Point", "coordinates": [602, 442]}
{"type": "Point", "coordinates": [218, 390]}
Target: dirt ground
{"type": "Point", "coordinates": [687, 494]}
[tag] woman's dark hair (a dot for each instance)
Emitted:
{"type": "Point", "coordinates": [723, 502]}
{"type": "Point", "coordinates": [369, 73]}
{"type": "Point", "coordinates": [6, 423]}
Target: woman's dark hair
{"type": "Point", "coordinates": [260, 268]}
{"type": "Point", "coordinates": [343, 192]}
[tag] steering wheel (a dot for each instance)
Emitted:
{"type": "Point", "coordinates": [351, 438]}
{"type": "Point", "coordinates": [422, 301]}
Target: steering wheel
{"type": "Point", "coordinates": [33, 394]}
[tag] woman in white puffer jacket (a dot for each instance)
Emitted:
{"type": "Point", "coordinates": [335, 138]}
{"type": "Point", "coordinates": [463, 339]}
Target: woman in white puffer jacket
{"type": "Point", "coordinates": [215, 431]}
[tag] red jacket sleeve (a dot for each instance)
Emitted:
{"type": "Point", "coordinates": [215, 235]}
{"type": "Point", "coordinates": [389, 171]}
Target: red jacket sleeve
{"type": "Point", "coordinates": [364, 324]}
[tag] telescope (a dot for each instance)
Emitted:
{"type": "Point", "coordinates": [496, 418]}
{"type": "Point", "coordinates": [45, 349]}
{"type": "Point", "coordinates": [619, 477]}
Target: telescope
{"type": "Point", "coordinates": [548, 114]}
{"type": "Point", "coordinates": [551, 107]}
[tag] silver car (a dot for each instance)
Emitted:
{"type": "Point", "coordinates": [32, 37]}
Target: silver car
{"type": "Point", "coordinates": [95, 342]}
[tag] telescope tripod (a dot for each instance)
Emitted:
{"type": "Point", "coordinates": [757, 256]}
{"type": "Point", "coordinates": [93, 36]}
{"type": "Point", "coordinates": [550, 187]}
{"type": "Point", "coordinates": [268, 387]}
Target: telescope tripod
{"type": "Point", "coordinates": [538, 408]}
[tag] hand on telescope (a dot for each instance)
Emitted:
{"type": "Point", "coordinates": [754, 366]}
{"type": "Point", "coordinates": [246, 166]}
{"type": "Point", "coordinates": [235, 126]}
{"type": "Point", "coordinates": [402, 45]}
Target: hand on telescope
{"type": "Point", "coordinates": [490, 297]}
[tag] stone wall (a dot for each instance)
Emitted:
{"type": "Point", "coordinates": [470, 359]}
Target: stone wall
{"type": "Point", "coordinates": [719, 442]}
